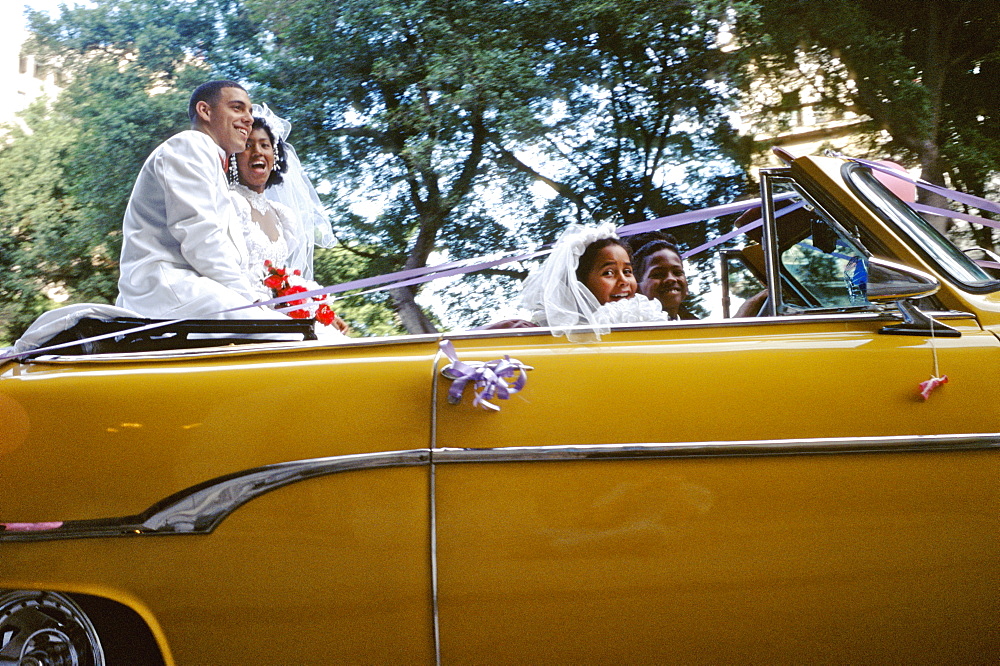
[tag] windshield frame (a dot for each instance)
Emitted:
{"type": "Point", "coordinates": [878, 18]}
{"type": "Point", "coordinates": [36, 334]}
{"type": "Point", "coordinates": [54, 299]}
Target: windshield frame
{"type": "Point", "coordinates": [927, 241]}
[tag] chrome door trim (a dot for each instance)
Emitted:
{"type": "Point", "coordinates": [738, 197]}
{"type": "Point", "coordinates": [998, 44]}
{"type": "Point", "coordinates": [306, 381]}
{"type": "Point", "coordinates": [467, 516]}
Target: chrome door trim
{"type": "Point", "coordinates": [686, 324]}
{"type": "Point", "coordinates": [810, 446]}
{"type": "Point", "coordinates": [201, 508]}
{"type": "Point", "coordinates": [432, 500]}
{"type": "Point", "coordinates": [770, 238]}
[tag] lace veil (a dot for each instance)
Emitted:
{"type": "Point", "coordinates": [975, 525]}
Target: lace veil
{"type": "Point", "coordinates": [552, 293]}
{"type": "Point", "coordinates": [558, 300]}
{"type": "Point", "coordinates": [297, 192]}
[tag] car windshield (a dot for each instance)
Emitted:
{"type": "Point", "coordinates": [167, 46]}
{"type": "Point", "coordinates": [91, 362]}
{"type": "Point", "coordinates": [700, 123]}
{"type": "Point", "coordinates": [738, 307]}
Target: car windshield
{"type": "Point", "coordinates": [957, 265]}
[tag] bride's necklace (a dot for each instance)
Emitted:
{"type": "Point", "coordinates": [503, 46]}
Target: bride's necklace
{"type": "Point", "coordinates": [257, 200]}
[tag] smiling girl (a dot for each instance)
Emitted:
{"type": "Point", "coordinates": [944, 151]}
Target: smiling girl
{"type": "Point", "coordinates": [586, 284]}
{"type": "Point", "coordinates": [605, 268]}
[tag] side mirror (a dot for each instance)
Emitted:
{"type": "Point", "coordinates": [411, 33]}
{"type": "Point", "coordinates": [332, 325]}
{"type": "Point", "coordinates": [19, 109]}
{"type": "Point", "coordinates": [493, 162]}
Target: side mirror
{"type": "Point", "coordinates": [889, 282]}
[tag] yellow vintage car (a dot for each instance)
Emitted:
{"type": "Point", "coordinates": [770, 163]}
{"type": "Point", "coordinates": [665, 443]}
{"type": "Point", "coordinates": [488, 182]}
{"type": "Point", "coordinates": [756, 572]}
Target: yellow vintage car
{"type": "Point", "coordinates": [754, 490]}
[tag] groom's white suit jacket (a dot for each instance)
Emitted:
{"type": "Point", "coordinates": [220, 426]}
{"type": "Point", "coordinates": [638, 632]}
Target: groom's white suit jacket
{"type": "Point", "coordinates": [183, 249]}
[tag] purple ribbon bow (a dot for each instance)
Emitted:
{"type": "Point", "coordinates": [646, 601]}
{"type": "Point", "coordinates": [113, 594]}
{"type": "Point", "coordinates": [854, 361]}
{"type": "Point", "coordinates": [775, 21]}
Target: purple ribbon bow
{"type": "Point", "coordinates": [492, 379]}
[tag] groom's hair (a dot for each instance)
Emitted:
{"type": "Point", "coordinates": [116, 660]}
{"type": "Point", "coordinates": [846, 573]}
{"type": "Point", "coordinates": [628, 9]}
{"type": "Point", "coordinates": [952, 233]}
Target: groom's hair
{"type": "Point", "coordinates": [208, 92]}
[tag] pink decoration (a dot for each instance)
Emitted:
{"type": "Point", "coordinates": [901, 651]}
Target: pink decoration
{"type": "Point", "coordinates": [903, 189]}
{"type": "Point", "coordinates": [928, 386]}
{"type": "Point", "coordinates": [31, 527]}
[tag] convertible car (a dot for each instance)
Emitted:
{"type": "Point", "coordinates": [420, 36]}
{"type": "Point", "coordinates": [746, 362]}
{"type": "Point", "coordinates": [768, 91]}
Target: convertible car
{"type": "Point", "coordinates": [819, 483]}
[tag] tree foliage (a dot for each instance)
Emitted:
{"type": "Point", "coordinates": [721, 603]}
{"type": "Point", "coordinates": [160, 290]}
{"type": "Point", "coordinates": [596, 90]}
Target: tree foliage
{"type": "Point", "coordinates": [927, 73]}
{"type": "Point", "coordinates": [450, 111]}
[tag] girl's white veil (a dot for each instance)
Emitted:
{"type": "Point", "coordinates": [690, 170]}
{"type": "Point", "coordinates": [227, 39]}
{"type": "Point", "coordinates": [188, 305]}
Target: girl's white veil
{"type": "Point", "coordinates": [552, 293]}
{"type": "Point", "coordinates": [558, 300]}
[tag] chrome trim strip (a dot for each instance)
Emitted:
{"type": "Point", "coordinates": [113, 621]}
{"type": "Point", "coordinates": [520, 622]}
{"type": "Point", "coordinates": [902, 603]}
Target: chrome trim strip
{"type": "Point", "coordinates": [435, 618]}
{"type": "Point", "coordinates": [201, 508]}
{"type": "Point", "coordinates": [667, 326]}
{"type": "Point", "coordinates": [257, 348]}
{"type": "Point", "coordinates": [816, 445]}
{"type": "Point", "coordinates": [276, 348]}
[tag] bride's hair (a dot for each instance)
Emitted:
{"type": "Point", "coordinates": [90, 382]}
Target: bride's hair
{"type": "Point", "coordinates": [280, 157]}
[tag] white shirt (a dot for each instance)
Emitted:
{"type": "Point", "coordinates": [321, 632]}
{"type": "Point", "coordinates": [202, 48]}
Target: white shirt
{"type": "Point", "coordinates": [183, 248]}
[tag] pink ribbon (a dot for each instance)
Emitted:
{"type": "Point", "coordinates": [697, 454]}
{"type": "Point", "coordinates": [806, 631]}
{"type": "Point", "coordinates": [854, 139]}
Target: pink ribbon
{"type": "Point", "coordinates": [927, 387]}
{"type": "Point", "coordinates": [31, 527]}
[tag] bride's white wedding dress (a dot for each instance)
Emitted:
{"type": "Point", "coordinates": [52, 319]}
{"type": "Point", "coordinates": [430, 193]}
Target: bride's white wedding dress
{"type": "Point", "coordinates": [260, 248]}
{"type": "Point", "coordinates": [281, 251]}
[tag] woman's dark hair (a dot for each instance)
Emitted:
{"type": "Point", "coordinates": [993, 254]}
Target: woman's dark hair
{"type": "Point", "coordinates": [645, 245]}
{"type": "Point", "coordinates": [590, 255]}
{"type": "Point", "coordinates": [280, 160]}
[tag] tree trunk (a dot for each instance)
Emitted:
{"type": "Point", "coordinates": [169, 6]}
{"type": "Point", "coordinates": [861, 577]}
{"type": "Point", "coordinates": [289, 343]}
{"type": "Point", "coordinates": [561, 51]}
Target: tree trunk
{"type": "Point", "coordinates": [930, 170]}
{"type": "Point", "coordinates": [413, 317]}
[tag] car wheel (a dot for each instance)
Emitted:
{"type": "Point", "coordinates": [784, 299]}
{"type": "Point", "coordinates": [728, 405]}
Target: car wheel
{"type": "Point", "coordinates": [39, 628]}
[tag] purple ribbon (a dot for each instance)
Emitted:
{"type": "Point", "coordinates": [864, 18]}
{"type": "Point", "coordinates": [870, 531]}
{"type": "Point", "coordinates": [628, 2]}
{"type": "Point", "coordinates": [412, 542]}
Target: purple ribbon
{"type": "Point", "coordinates": [700, 215]}
{"type": "Point", "coordinates": [490, 380]}
{"type": "Point", "coordinates": [944, 212]}
{"type": "Point", "coordinates": [955, 195]}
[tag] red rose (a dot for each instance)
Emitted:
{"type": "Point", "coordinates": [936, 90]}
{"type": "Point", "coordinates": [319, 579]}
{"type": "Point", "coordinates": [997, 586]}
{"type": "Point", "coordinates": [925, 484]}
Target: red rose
{"type": "Point", "coordinates": [297, 289]}
{"type": "Point", "coordinates": [275, 282]}
{"type": "Point", "coordinates": [325, 314]}
{"type": "Point", "coordinates": [298, 314]}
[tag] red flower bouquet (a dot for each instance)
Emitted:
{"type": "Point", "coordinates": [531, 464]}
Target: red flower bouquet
{"type": "Point", "coordinates": [281, 282]}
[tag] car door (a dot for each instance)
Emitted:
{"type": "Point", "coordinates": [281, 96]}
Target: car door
{"type": "Point", "coordinates": [760, 489]}
{"type": "Point", "coordinates": [264, 505]}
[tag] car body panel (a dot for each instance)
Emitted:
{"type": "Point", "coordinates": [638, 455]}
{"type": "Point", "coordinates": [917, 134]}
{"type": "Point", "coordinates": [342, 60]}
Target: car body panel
{"type": "Point", "coordinates": [721, 559]}
{"type": "Point", "coordinates": [698, 382]}
{"type": "Point", "coordinates": [205, 417]}
{"type": "Point", "coordinates": [350, 551]}
{"type": "Point", "coordinates": [725, 549]}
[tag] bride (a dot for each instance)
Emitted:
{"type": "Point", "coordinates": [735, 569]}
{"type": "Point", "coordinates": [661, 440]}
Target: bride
{"type": "Point", "coordinates": [282, 226]}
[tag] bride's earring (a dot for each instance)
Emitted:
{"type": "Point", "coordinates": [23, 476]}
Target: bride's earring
{"type": "Point", "coordinates": [234, 172]}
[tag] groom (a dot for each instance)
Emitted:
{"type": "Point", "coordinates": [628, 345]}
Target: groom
{"type": "Point", "coordinates": [183, 250]}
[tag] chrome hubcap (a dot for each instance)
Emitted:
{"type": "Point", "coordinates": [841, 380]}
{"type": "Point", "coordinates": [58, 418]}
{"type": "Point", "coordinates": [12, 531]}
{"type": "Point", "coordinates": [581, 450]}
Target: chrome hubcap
{"type": "Point", "coordinates": [46, 629]}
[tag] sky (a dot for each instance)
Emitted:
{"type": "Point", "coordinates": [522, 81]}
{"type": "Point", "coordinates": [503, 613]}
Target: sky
{"type": "Point", "coordinates": [12, 22]}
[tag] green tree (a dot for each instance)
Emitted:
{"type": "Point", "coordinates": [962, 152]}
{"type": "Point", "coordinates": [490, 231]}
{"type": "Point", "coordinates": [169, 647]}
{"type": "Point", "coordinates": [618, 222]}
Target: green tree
{"type": "Point", "coordinates": [442, 114]}
{"type": "Point", "coordinates": [927, 73]}
{"type": "Point", "coordinates": [41, 223]}
{"type": "Point", "coordinates": [639, 127]}
{"type": "Point", "coordinates": [400, 100]}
